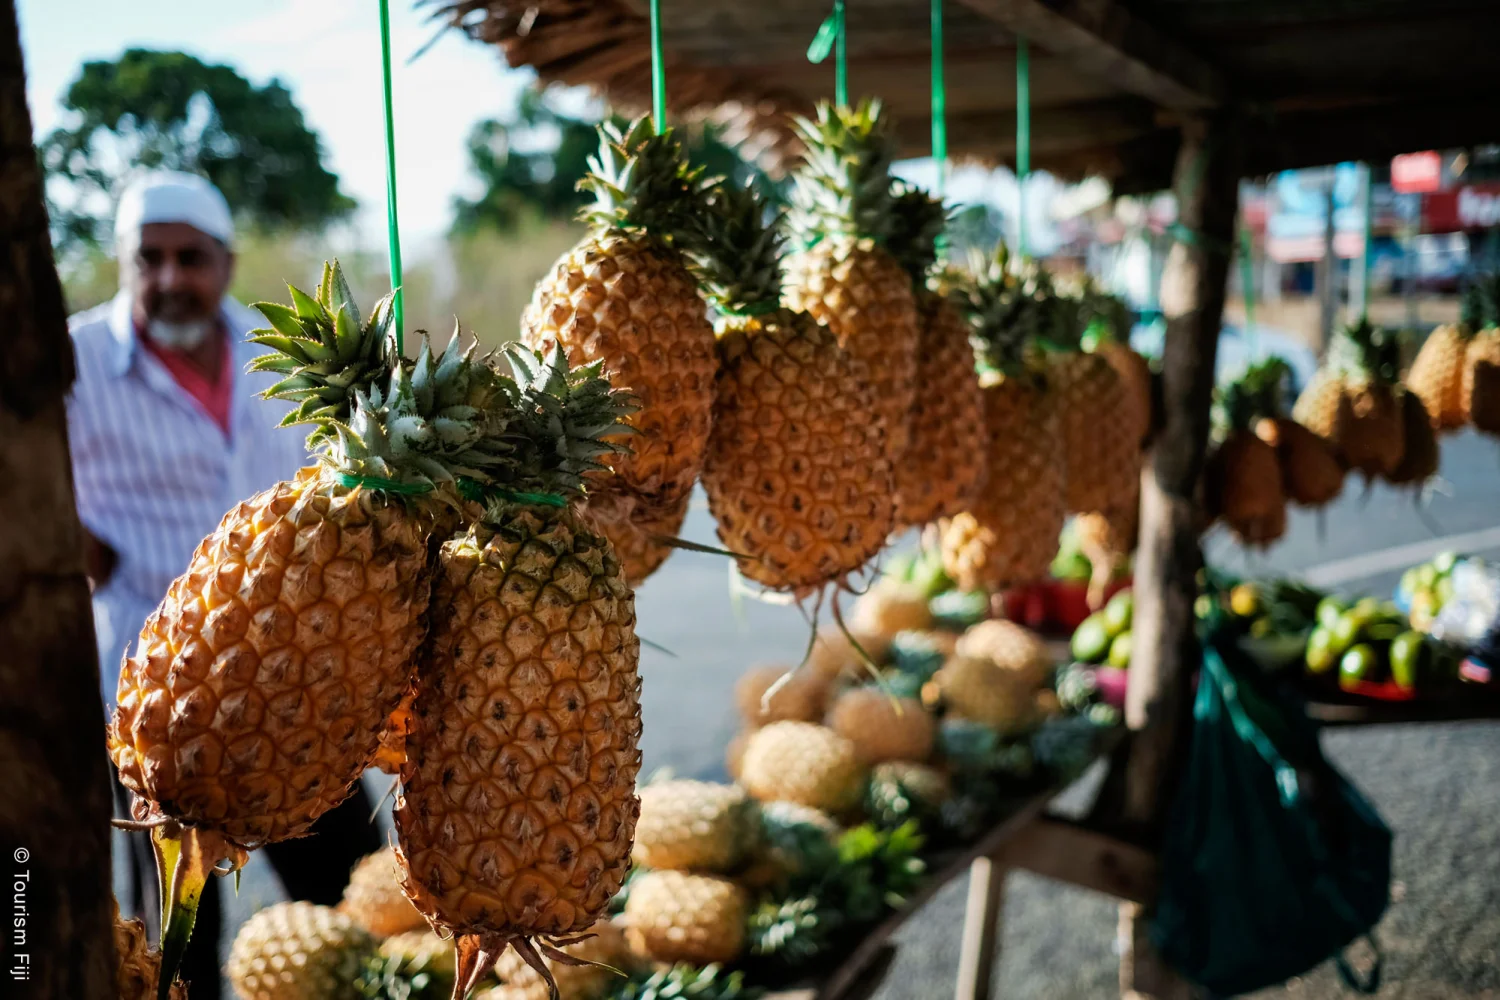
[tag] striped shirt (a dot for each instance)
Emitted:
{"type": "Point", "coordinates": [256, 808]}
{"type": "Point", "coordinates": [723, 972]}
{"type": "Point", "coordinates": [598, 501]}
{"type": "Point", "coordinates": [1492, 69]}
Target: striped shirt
{"type": "Point", "coordinates": [152, 471]}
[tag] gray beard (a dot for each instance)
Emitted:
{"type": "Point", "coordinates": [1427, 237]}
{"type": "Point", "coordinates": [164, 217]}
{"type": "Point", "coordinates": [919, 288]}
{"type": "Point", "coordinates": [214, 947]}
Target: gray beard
{"type": "Point", "coordinates": [179, 336]}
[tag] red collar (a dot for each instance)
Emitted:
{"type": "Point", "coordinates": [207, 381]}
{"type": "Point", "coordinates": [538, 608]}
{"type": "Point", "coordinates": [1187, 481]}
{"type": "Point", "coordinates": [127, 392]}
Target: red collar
{"type": "Point", "coordinates": [215, 396]}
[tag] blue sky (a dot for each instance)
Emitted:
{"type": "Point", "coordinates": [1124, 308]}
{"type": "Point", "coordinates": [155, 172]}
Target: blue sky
{"type": "Point", "coordinates": [328, 53]}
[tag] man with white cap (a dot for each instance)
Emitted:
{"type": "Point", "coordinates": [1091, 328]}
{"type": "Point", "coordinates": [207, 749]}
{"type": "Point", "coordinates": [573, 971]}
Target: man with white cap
{"type": "Point", "coordinates": [167, 435]}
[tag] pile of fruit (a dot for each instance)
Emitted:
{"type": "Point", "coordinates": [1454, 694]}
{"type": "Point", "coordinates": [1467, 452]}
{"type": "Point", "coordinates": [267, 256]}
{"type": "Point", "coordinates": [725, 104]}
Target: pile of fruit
{"type": "Point", "coordinates": [1425, 589]}
{"type": "Point", "coordinates": [1372, 649]}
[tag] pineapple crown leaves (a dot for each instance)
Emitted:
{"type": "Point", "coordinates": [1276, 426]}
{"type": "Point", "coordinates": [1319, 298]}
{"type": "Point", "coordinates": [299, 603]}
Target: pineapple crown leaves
{"type": "Point", "coordinates": [431, 421]}
{"type": "Point", "coordinates": [843, 189]}
{"type": "Point", "coordinates": [324, 349]}
{"type": "Point", "coordinates": [1101, 315]}
{"type": "Point", "coordinates": [793, 931]}
{"type": "Point", "coordinates": [559, 421]}
{"type": "Point", "coordinates": [1261, 391]}
{"type": "Point", "coordinates": [397, 978]}
{"type": "Point", "coordinates": [686, 982]}
{"type": "Point", "coordinates": [737, 249]}
{"type": "Point", "coordinates": [641, 181]}
{"type": "Point", "coordinates": [1015, 311]}
{"type": "Point", "coordinates": [917, 223]}
{"type": "Point", "coordinates": [1365, 351]}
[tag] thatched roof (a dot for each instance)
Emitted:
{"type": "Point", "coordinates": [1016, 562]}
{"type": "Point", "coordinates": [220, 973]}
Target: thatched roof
{"type": "Point", "coordinates": [1317, 80]}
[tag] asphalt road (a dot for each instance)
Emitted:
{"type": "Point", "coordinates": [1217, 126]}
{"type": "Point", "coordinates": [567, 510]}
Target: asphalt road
{"type": "Point", "coordinates": [1438, 786]}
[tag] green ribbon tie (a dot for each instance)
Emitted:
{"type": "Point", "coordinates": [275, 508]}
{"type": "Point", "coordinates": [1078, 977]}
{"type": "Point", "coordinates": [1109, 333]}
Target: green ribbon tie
{"type": "Point", "coordinates": [392, 230]}
{"type": "Point", "coordinates": [831, 37]}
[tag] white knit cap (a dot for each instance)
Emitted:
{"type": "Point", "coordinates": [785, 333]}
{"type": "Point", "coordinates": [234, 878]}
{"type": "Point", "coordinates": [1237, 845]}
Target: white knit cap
{"type": "Point", "coordinates": [173, 196]}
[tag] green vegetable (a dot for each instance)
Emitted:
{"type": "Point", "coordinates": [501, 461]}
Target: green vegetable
{"type": "Point", "coordinates": [1119, 650]}
{"type": "Point", "coordinates": [1091, 639]}
{"type": "Point", "coordinates": [1358, 664]}
{"type": "Point", "coordinates": [1120, 612]}
{"type": "Point", "coordinates": [1443, 562]}
{"type": "Point", "coordinates": [1346, 631]}
{"type": "Point", "coordinates": [1328, 611]}
{"type": "Point", "coordinates": [1321, 655]}
{"type": "Point", "coordinates": [1408, 658]}
{"type": "Point", "coordinates": [1074, 566]}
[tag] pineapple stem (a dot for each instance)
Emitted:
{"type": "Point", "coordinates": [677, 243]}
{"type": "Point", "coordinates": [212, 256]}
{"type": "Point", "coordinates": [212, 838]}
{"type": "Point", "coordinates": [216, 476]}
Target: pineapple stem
{"type": "Point", "coordinates": [183, 865]}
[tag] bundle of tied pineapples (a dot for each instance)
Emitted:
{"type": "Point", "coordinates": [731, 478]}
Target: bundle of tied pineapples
{"type": "Point", "coordinates": [447, 594]}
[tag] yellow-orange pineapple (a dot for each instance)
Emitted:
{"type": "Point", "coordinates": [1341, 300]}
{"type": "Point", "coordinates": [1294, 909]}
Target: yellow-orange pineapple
{"type": "Point", "coordinates": [1009, 535]}
{"type": "Point", "coordinates": [625, 297]}
{"type": "Point", "coordinates": [637, 535]}
{"type": "Point", "coordinates": [138, 965]}
{"type": "Point", "coordinates": [1101, 428]}
{"type": "Point", "coordinates": [1437, 375]}
{"type": "Point", "coordinates": [1480, 395]}
{"type": "Point", "coordinates": [677, 917]}
{"type": "Point", "coordinates": [804, 763]}
{"type": "Point", "coordinates": [797, 474]}
{"type": "Point", "coordinates": [799, 697]}
{"type": "Point", "coordinates": [518, 806]}
{"type": "Point", "coordinates": [1243, 480]}
{"type": "Point", "coordinates": [262, 684]}
{"type": "Point", "coordinates": [602, 952]}
{"type": "Point", "coordinates": [942, 470]}
{"type": "Point", "coordinates": [1419, 453]}
{"type": "Point", "coordinates": [881, 727]}
{"type": "Point", "coordinates": [374, 900]}
{"type": "Point", "coordinates": [842, 275]}
{"type": "Point", "coordinates": [1352, 400]}
{"type": "Point", "coordinates": [1311, 473]}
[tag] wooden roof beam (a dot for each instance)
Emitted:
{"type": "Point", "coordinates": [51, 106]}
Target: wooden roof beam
{"type": "Point", "coordinates": [1104, 40]}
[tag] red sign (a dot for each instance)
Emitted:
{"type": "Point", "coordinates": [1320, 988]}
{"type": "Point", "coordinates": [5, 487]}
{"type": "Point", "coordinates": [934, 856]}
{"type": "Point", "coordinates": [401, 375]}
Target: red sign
{"type": "Point", "coordinates": [1417, 173]}
{"type": "Point", "coordinates": [1476, 206]}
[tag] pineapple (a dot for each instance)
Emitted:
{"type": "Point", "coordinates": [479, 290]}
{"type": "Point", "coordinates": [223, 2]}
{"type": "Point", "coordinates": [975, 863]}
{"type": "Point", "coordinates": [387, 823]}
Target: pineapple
{"type": "Point", "coordinates": [374, 900]}
{"type": "Point", "coordinates": [1102, 428]}
{"type": "Point", "coordinates": [625, 297]}
{"type": "Point", "coordinates": [842, 214]}
{"type": "Point", "coordinates": [138, 969]}
{"type": "Point", "coordinates": [833, 655]}
{"type": "Point", "coordinates": [1014, 649]}
{"type": "Point", "coordinates": [421, 949]}
{"type": "Point", "coordinates": [1106, 539]}
{"type": "Point", "coordinates": [980, 690]}
{"type": "Point", "coordinates": [693, 826]}
{"type": "Point", "coordinates": [603, 951]}
{"type": "Point", "coordinates": [299, 951]}
{"type": "Point", "coordinates": [262, 685]}
{"type": "Point", "coordinates": [639, 541]}
{"type": "Point", "coordinates": [1419, 458]}
{"type": "Point", "coordinates": [795, 841]}
{"type": "Point", "coordinates": [734, 753]}
{"type": "Point", "coordinates": [1481, 382]}
{"type": "Point", "coordinates": [1105, 323]}
{"type": "Point", "coordinates": [676, 917]}
{"type": "Point", "coordinates": [889, 607]}
{"type": "Point", "coordinates": [804, 763]}
{"type": "Point", "coordinates": [1437, 375]}
{"type": "Point", "coordinates": [1009, 535]}
{"type": "Point", "coordinates": [800, 697]}
{"type": "Point", "coordinates": [902, 790]}
{"type": "Point", "coordinates": [797, 474]}
{"type": "Point", "coordinates": [943, 466]}
{"type": "Point", "coordinates": [1244, 487]}
{"type": "Point", "coordinates": [517, 806]}
{"type": "Point", "coordinates": [1352, 400]}
{"type": "Point", "coordinates": [1310, 471]}
{"type": "Point", "coordinates": [881, 727]}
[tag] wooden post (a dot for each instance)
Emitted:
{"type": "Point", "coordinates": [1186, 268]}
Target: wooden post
{"type": "Point", "coordinates": [1328, 270]}
{"type": "Point", "coordinates": [981, 941]}
{"type": "Point", "coordinates": [54, 813]}
{"type": "Point", "coordinates": [1157, 706]}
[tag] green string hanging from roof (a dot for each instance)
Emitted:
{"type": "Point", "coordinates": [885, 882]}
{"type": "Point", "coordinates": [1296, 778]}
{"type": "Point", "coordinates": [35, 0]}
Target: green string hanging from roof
{"type": "Point", "coordinates": [393, 235]}
{"type": "Point", "coordinates": [831, 38]}
{"type": "Point", "coordinates": [658, 72]}
{"type": "Point", "coordinates": [1023, 138]}
{"type": "Point", "coordinates": [939, 101]}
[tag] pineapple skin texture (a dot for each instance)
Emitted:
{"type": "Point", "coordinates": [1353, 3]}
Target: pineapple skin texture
{"type": "Point", "coordinates": [883, 728]}
{"type": "Point", "coordinates": [1013, 648]}
{"type": "Point", "coordinates": [518, 804]}
{"type": "Point", "coordinates": [1362, 421]}
{"type": "Point", "coordinates": [1419, 453]}
{"type": "Point", "coordinates": [978, 689]}
{"type": "Point", "coordinates": [1310, 469]}
{"type": "Point", "coordinates": [1010, 534]}
{"type": "Point", "coordinates": [1102, 428]}
{"type": "Point", "coordinates": [1437, 376]}
{"type": "Point", "coordinates": [865, 297]}
{"type": "Point", "coordinates": [373, 898]}
{"type": "Point", "coordinates": [801, 699]}
{"type": "Point", "coordinates": [1135, 375]}
{"type": "Point", "coordinates": [631, 536]}
{"type": "Point", "coordinates": [1244, 479]}
{"type": "Point", "coordinates": [677, 917]}
{"type": "Point", "coordinates": [802, 762]}
{"type": "Point", "coordinates": [944, 465]}
{"type": "Point", "coordinates": [298, 951]}
{"type": "Point", "coordinates": [1480, 391]}
{"type": "Point", "coordinates": [693, 826]}
{"type": "Point", "coordinates": [632, 304]}
{"type": "Point", "coordinates": [797, 473]}
{"type": "Point", "coordinates": [262, 683]}
{"type": "Point", "coordinates": [138, 968]}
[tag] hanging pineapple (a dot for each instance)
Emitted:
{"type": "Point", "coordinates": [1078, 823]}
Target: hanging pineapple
{"type": "Point", "coordinates": [624, 297]}
{"type": "Point", "coordinates": [1437, 373]}
{"type": "Point", "coordinates": [642, 542]}
{"type": "Point", "coordinates": [1243, 480]}
{"type": "Point", "coordinates": [797, 475]}
{"type": "Point", "coordinates": [1009, 535]}
{"type": "Point", "coordinates": [1353, 401]}
{"type": "Point", "coordinates": [518, 807]}
{"type": "Point", "coordinates": [1105, 320]}
{"type": "Point", "coordinates": [944, 464]}
{"type": "Point", "coordinates": [1479, 392]}
{"type": "Point", "coordinates": [1419, 453]}
{"type": "Point", "coordinates": [261, 685]}
{"type": "Point", "coordinates": [1311, 473]}
{"type": "Point", "coordinates": [842, 275]}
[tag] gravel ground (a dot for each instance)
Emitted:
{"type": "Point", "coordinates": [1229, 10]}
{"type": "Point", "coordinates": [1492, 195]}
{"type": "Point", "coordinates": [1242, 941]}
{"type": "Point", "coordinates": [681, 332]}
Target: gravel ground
{"type": "Point", "coordinates": [1437, 786]}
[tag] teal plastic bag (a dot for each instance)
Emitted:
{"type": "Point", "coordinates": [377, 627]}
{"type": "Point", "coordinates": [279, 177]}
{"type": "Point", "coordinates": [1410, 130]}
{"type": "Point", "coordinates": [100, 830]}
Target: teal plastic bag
{"type": "Point", "coordinates": [1273, 862]}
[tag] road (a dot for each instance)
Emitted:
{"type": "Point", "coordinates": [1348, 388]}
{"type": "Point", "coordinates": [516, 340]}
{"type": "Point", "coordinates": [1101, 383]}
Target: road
{"type": "Point", "coordinates": [1438, 786]}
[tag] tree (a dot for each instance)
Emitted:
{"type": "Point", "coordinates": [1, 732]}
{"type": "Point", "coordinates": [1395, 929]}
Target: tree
{"type": "Point", "coordinates": [54, 815]}
{"type": "Point", "coordinates": [530, 164]}
{"type": "Point", "coordinates": [170, 110]}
